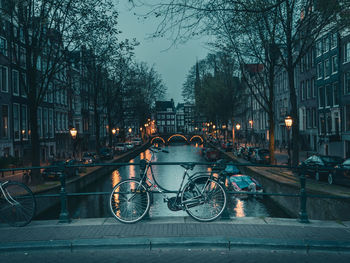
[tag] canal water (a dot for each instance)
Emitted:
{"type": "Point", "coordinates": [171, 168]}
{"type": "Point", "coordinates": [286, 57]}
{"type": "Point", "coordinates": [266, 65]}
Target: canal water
{"type": "Point", "coordinates": [169, 177]}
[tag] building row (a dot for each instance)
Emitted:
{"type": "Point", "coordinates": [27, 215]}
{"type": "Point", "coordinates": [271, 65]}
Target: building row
{"type": "Point", "coordinates": [322, 81]}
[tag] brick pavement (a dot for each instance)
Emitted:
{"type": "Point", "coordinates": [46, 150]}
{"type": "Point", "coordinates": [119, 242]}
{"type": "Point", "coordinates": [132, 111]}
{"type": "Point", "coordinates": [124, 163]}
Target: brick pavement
{"type": "Point", "coordinates": [102, 232]}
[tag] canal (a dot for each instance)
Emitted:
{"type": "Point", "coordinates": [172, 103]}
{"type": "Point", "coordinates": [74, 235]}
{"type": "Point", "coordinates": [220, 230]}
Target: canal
{"type": "Point", "coordinates": [169, 177]}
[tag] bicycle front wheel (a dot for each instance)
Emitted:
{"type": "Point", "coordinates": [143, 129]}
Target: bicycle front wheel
{"type": "Point", "coordinates": [17, 204]}
{"type": "Point", "coordinates": [129, 201]}
{"type": "Point", "coordinates": [204, 198]}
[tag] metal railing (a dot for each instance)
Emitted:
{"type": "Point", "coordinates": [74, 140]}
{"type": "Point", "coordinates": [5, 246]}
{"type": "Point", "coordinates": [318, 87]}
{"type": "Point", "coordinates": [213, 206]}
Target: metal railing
{"type": "Point", "coordinates": [297, 173]}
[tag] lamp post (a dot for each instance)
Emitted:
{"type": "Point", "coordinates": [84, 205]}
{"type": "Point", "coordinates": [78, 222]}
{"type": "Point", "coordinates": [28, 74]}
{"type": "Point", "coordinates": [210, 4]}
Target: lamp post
{"type": "Point", "coordinates": [289, 122]}
{"type": "Point", "coordinates": [114, 131]}
{"type": "Point", "coordinates": [130, 131]}
{"type": "Point", "coordinates": [73, 132]}
{"type": "Point", "coordinates": [238, 127]}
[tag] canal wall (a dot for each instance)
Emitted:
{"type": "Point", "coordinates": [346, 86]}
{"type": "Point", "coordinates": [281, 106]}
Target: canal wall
{"type": "Point", "coordinates": [76, 184]}
{"type": "Point", "coordinates": [317, 208]}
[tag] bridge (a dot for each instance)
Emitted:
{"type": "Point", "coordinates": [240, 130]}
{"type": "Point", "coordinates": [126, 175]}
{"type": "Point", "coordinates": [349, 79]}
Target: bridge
{"type": "Point", "coordinates": [166, 138]}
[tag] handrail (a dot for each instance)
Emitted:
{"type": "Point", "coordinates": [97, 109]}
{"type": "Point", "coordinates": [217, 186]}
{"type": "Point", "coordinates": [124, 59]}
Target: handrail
{"type": "Point", "coordinates": [297, 172]}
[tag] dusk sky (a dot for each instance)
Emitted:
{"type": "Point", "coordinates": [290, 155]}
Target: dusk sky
{"type": "Point", "coordinates": [173, 64]}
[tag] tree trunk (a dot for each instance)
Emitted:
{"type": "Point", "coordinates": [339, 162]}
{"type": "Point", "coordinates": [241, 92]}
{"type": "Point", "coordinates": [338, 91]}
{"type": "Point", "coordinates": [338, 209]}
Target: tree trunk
{"type": "Point", "coordinates": [35, 143]}
{"type": "Point", "coordinates": [294, 115]}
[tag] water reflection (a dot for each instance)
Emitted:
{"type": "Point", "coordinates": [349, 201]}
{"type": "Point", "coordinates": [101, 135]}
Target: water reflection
{"type": "Point", "coordinates": [169, 177]}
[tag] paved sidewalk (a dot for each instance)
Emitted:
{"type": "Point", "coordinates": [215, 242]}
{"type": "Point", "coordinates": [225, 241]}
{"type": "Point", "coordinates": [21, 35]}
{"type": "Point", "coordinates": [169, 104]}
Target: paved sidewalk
{"type": "Point", "coordinates": [170, 232]}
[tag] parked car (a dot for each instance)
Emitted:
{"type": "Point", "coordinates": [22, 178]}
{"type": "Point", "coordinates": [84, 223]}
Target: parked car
{"type": "Point", "coordinates": [211, 154]}
{"type": "Point", "coordinates": [316, 166]}
{"type": "Point", "coordinates": [120, 147]}
{"type": "Point", "coordinates": [260, 156]}
{"type": "Point", "coordinates": [137, 141]}
{"type": "Point", "coordinates": [227, 146]}
{"type": "Point", "coordinates": [248, 152]}
{"type": "Point", "coordinates": [88, 158]}
{"type": "Point", "coordinates": [129, 145]}
{"type": "Point", "coordinates": [341, 176]}
{"type": "Point", "coordinates": [106, 154]}
{"type": "Point", "coordinates": [60, 168]}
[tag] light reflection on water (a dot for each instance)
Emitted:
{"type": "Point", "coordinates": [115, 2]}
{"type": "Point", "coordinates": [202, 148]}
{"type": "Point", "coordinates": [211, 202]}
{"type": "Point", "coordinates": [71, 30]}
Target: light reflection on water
{"type": "Point", "coordinates": [169, 177]}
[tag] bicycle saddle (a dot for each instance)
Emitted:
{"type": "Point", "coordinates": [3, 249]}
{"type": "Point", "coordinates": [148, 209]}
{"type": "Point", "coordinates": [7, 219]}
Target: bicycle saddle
{"type": "Point", "coordinates": [188, 166]}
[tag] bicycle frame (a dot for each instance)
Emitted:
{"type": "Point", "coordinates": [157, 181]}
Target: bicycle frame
{"type": "Point", "coordinates": [162, 190]}
{"type": "Point", "coordinates": [7, 195]}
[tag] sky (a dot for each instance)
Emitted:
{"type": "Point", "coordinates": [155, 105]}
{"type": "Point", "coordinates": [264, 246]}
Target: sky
{"type": "Point", "coordinates": [172, 63]}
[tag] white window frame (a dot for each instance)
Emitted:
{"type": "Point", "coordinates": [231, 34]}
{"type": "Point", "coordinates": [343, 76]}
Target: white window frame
{"type": "Point", "coordinates": [4, 49]}
{"type": "Point", "coordinates": [334, 36]}
{"type": "Point", "coordinates": [319, 70]}
{"type": "Point", "coordinates": [16, 123]}
{"type": "Point", "coordinates": [346, 58]}
{"type": "Point", "coordinates": [336, 63]}
{"type": "Point", "coordinates": [327, 72]}
{"type": "Point", "coordinates": [15, 73]}
{"type": "Point", "coordinates": [24, 122]}
{"type": "Point", "coordinates": [7, 79]}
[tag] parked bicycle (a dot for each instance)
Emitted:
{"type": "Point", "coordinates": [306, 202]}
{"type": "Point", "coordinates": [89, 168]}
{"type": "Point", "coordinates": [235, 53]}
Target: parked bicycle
{"type": "Point", "coordinates": [202, 196]}
{"type": "Point", "coordinates": [17, 203]}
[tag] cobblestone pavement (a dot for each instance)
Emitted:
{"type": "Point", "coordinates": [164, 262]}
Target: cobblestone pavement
{"type": "Point", "coordinates": [245, 232]}
{"type": "Point", "coordinates": [175, 255]}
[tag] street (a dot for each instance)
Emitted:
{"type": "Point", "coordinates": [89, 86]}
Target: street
{"type": "Point", "coordinates": [174, 255]}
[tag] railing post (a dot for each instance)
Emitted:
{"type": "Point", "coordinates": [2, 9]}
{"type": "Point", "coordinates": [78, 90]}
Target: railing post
{"type": "Point", "coordinates": [303, 218]}
{"type": "Point", "coordinates": [64, 215]}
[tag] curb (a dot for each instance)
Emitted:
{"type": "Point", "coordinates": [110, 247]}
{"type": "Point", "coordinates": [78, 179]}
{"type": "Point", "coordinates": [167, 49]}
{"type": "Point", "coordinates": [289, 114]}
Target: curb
{"type": "Point", "coordinates": [171, 242]}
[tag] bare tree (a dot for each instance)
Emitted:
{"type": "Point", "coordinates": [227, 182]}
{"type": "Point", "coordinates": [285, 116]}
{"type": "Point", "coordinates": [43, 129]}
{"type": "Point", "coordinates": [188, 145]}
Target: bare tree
{"type": "Point", "coordinates": [46, 29]}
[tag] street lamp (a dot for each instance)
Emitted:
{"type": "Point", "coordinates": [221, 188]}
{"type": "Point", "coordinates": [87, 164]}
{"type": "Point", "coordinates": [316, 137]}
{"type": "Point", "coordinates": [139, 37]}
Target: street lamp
{"type": "Point", "coordinates": [129, 130]}
{"type": "Point", "coordinates": [73, 132]}
{"type": "Point", "coordinates": [238, 127]}
{"type": "Point", "coordinates": [289, 122]}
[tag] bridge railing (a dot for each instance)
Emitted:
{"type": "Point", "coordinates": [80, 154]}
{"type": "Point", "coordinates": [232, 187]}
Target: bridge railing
{"type": "Point", "coordinates": [298, 173]}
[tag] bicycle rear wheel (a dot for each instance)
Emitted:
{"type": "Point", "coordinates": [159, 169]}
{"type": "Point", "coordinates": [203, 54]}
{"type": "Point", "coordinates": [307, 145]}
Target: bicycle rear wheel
{"type": "Point", "coordinates": [204, 198]}
{"type": "Point", "coordinates": [17, 204]}
{"type": "Point", "coordinates": [129, 201]}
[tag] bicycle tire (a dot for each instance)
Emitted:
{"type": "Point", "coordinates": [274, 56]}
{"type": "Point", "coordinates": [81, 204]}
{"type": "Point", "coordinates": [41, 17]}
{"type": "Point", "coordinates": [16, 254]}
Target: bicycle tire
{"type": "Point", "coordinates": [22, 206]}
{"type": "Point", "coordinates": [204, 198]}
{"type": "Point", "coordinates": [129, 201]}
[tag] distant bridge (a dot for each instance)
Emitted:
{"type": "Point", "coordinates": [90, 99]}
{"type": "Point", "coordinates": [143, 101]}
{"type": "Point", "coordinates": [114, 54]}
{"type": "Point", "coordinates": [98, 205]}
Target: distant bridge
{"type": "Point", "coordinates": [168, 138]}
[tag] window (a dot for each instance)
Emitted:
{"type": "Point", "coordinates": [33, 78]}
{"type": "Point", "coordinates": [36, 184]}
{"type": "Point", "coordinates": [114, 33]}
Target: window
{"type": "Point", "coordinates": [329, 124]}
{"type": "Point", "coordinates": [40, 132]}
{"type": "Point", "coordinates": [325, 44]}
{"type": "Point", "coordinates": [313, 88]}
{"type": "Point", "coordinates": [309, 118]}
{"type": "Point", "coordinates": [347, 83]}
{"type": "Point", "coordinates": [321, 96]}
{"type": "Point", "coordinates": [50, 92]}
{"type": "Point", "coordinates": [335, 94]}
{"type": "Point", "coordinates": [333, 40]}
{"type": "Point", "coordinates": [302, 91]}
{"type": "Point", "coordinates": [23, 85]}
{"type": "Point", "coordinates": [24, 125]}
{"type": "Point", "coordinates": [4, 121]}
{"type": "Point", "coordinates": [14, 53]}
{"type": "Point", "coordinates": [15, 82]}
{"type": "Point", "coordinates": [319, 71]}
{"type": "Point", "coordinates": [318, 48]}
{"type": "Point", "coordinates": [16, 122]}
{"type": "Point", "coordinates": [329, 96]}
{"type": "Point", "coordinates": [3, 46]}
{"type": "Point", "coordinates": [322, 125]}
{"type": "Point", "coordinates": [308, 89]}
{"type": "Point", "coordinates": [22, 57]}
{"type": "Point", "coordinates": [51, 132]}
{"type": "Point", "coordinates": [44, 123]}
{"type": "Point", "coordinates": [347, 52]}
{"type": "Point", "coordinates": [347, 112]}
{"type": "Point", "coordinates": [326, 68]}
{"type": "Point", "coordinates": [4, 79]}
{"type": "Point", "coordinates": [334, 64]}
{"type": "Point", "coordinates": [302, 64]}
{"type": "Point", "coordinates": [314, 120]}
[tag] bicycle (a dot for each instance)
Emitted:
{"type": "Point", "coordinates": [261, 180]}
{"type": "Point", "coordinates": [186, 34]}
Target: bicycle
{"type": "Point", "coordinates": [203, 197]}
{"type": "Point", "coordinates": [17, 203]}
